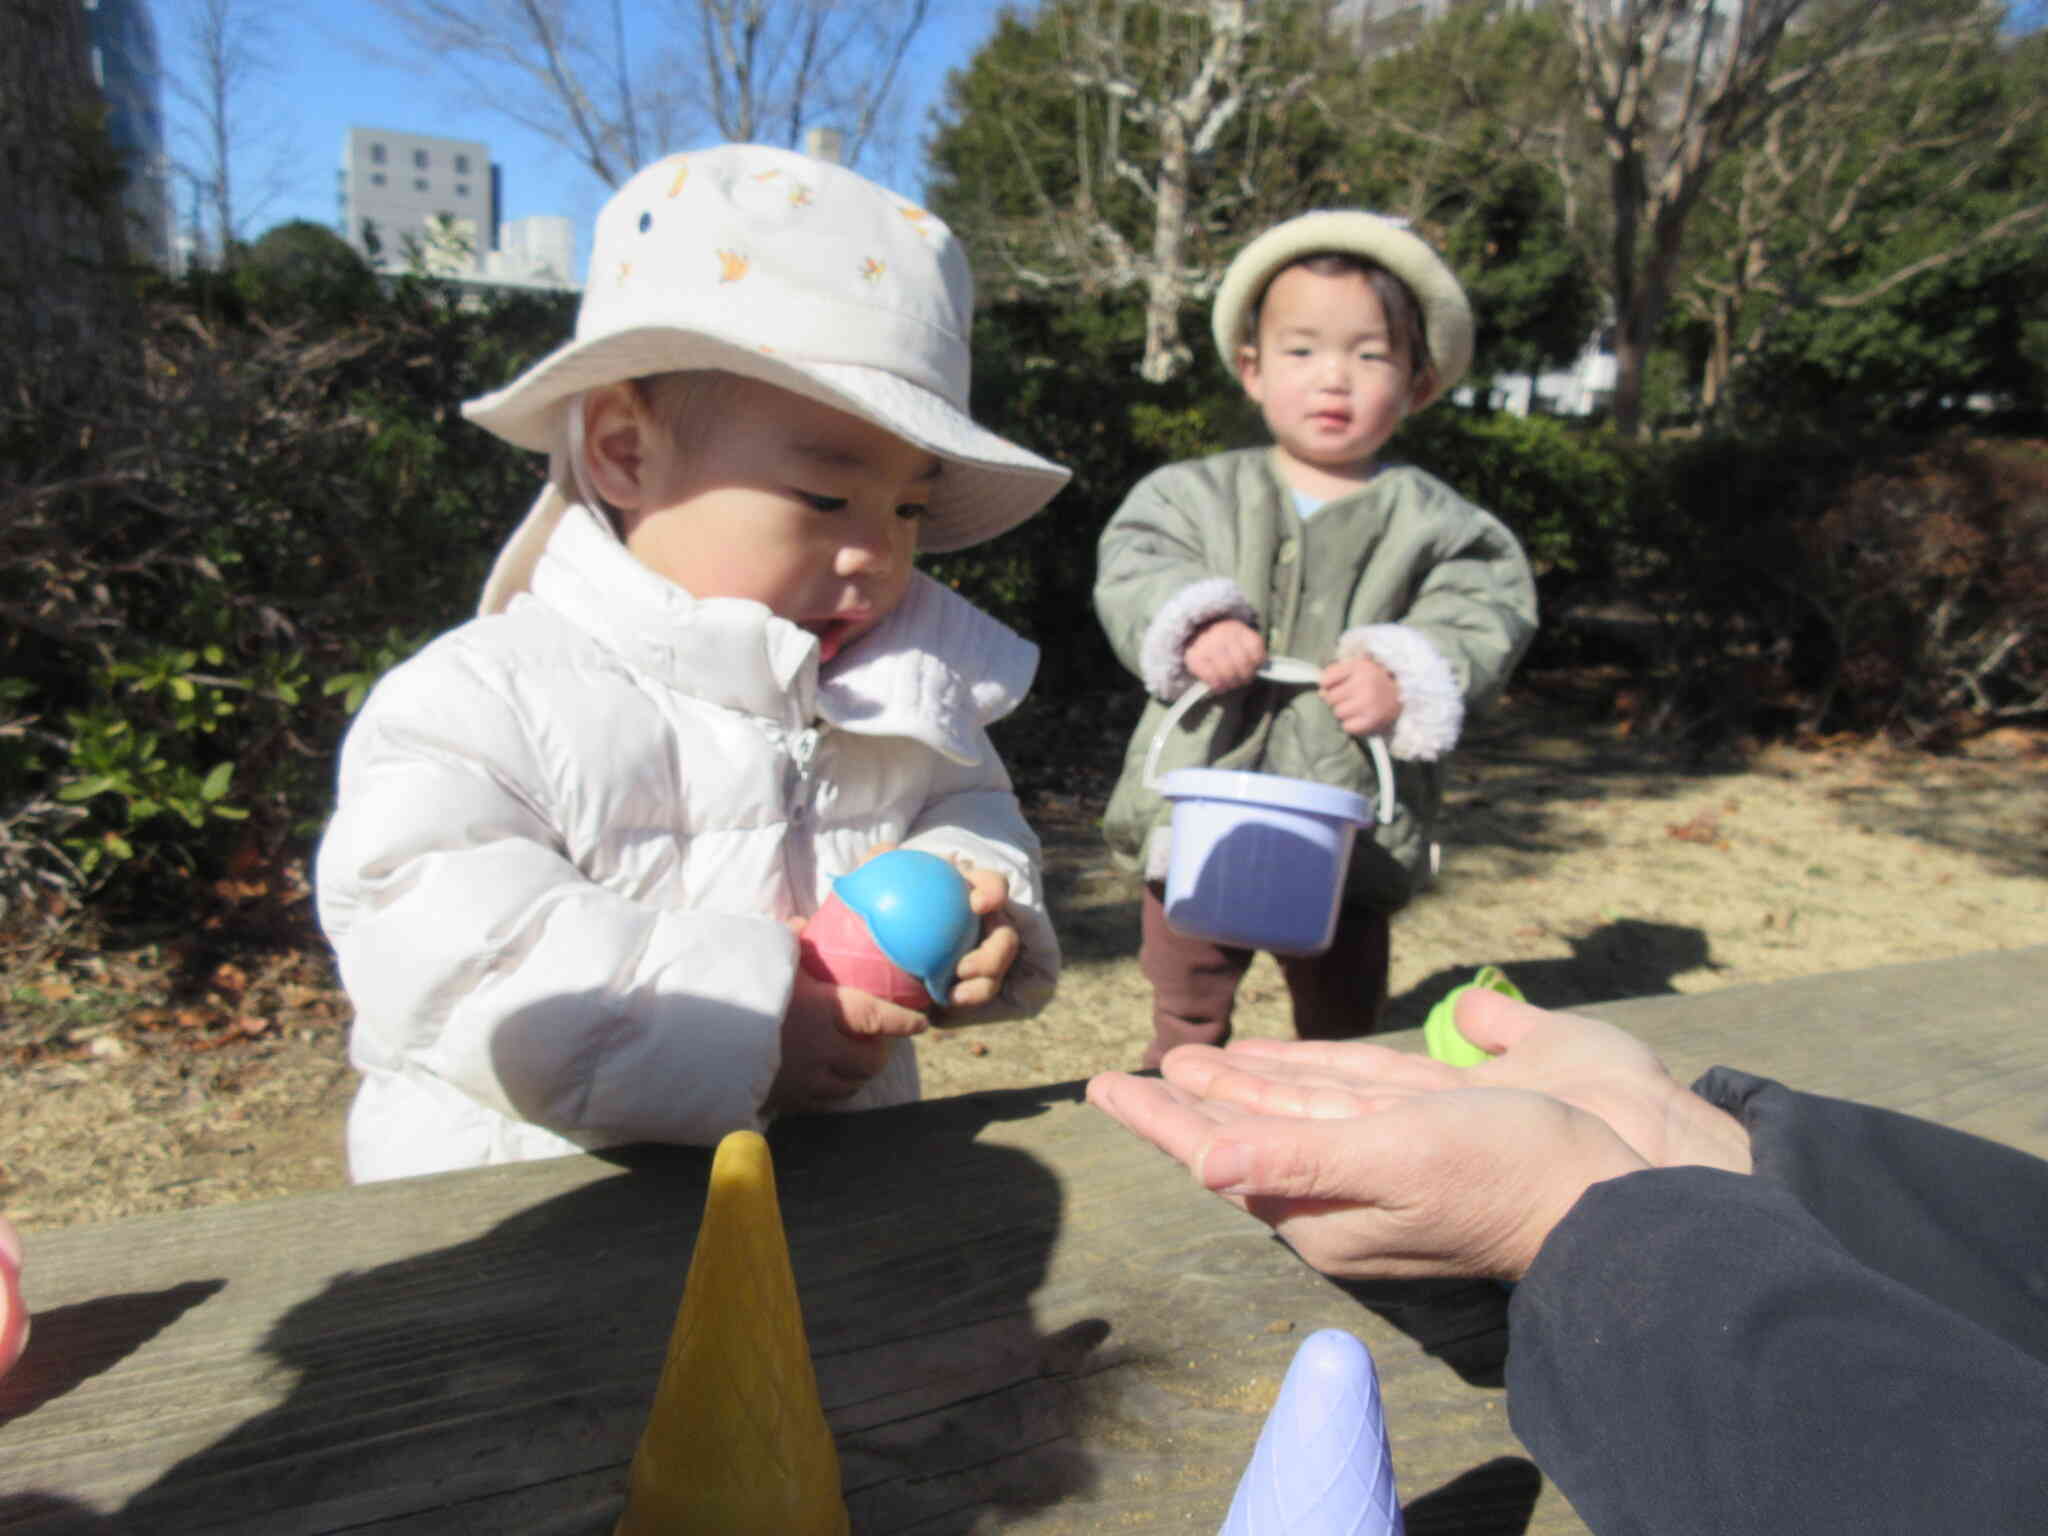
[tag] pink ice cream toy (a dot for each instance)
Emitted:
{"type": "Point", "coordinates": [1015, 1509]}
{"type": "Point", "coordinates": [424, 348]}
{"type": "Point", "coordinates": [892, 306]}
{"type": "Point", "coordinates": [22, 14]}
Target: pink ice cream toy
{"type": "Point", "coordinates": [896, 928]}
{"type": "Point", "coordinates": [13, 1312]}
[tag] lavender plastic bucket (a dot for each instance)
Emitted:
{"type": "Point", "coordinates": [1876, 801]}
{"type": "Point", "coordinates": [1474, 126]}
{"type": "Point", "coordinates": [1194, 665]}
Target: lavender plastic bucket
{"type": "Point", "coordinates": [1258, 859]}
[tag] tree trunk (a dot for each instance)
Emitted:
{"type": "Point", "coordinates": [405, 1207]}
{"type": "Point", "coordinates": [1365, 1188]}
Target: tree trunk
{"type": "Point", "coordinates": [1165, 353]}
{"type": "Point", "coordinates": [1720, 357]}
{"type": "Point", "coordinates": [1631, 344]}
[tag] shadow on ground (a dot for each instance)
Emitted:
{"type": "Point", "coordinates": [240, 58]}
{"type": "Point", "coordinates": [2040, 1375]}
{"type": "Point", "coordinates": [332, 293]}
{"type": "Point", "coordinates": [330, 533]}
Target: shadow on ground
{"type": "Point", "coordinates": [1616, 960]}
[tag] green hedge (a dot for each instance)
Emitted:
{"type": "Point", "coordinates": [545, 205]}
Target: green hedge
{"type": "Point", "coordinates": [210, 556]}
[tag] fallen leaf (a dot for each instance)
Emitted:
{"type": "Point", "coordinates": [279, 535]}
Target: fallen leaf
{"type": "Point", "coordinates": [252, 1023]}
{"type": "Point", "coordinates": [1703, 828]}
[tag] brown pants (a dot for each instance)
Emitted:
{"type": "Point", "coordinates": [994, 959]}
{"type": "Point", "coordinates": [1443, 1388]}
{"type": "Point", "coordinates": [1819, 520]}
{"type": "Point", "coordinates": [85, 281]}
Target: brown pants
{"type": "Point", "coordinates": [1337, 994]}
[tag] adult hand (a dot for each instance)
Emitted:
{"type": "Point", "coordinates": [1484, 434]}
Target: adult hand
{"type": "Point", "coordinates": [1589, 1065]}
{"type": "Point", "coordinates": [1362, 694]}
{"type": "Point", "coordinates": [978, 978]}
{"type": "Point", "coordinates": [1225, 654]}
{"type": "Point", "coordinates": [1415, 1182]}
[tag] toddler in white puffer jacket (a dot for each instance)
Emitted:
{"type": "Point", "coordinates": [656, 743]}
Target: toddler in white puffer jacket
{"type": "Point", "coordinates": [576, 835]}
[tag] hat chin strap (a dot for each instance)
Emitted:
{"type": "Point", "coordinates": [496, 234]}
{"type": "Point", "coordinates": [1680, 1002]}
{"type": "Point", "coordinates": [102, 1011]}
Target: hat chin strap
{"type": "Point", "coordinates": [512, 572]}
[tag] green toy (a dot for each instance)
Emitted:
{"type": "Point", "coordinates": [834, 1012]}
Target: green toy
{"type": "Point", "coordinates": [1441, 1035]}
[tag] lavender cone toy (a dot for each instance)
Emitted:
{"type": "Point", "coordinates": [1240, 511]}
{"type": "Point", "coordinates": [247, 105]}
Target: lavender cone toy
{"type": "Point", "coordinates": [1321, 1467]}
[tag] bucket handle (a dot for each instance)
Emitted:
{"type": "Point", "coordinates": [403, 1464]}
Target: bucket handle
{"type": "Point", "coordinates": [1279, 669]}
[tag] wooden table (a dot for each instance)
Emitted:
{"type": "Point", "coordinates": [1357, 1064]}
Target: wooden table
{"type": "Point", "coordinates": [1023, 1318]}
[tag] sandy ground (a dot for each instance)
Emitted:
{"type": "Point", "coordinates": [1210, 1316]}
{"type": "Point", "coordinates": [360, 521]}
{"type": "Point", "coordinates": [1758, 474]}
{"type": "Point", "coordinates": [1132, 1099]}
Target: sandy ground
{"type": "Point", "coordinates": [1589, 866]}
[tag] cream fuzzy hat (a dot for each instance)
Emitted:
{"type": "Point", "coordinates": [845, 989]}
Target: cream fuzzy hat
{"type": "Point", "coordinates": [799, 273]}
{"type": "Point", "coordinates": [1446, 314]}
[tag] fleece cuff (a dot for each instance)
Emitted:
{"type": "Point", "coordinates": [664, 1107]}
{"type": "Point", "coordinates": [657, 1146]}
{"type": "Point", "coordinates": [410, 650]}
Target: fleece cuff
{"type": "Point", "coordinates": [1179, 619]}
{"type": "Point", "coordinates": [1432, 707]}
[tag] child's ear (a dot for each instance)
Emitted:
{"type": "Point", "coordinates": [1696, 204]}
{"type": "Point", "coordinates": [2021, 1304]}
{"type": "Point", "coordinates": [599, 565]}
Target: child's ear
{"type": "Point", "coordinates": [1248, 369]}
{"type": "Point", "coordinates": [615, 426]}
{"type": "Point", "coordinates": [1420, 388]}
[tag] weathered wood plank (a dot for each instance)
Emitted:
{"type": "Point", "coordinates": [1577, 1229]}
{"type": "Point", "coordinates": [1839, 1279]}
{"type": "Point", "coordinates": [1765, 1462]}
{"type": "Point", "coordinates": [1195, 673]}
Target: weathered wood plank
{"type": "Point", "coordinates": [1022, 1318]}
{"type": "Point", "coordinates": [1963, 1042]}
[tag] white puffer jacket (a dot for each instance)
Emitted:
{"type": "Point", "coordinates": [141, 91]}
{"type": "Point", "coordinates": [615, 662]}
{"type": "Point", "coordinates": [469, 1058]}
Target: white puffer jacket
{"type": "Point", "coordinates": [568, 837]}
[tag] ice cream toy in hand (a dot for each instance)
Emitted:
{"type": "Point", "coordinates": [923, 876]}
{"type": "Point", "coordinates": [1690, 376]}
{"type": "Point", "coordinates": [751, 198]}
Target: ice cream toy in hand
{"type": "Point", "coordinates": [895, 927]}
{"type": "Point", "coordinates": [1440, 1033]}
{"type": "Point", "coordinates": [1322, 1466]}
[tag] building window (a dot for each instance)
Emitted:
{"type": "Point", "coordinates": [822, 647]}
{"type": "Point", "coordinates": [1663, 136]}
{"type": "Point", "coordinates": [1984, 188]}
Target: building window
{"type": "Point", "coordinates": [462, 165]}
{"type": "Point", "coordinates": [376, 178]}
{"type": "Point", "coordinates": [419, 158]}
{"type": "Point", "coordinates": [462, 189]}
{"type": "Point", "coordinates": [376, 154]}
{"type": "Point", "coordinates": [419, 183]}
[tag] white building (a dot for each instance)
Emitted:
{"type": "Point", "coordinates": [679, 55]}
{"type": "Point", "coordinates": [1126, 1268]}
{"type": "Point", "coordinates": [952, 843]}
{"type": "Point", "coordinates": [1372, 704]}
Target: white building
{"type": "Point", "coordinates": [539, 249]}
{"type": "Point", "coordinates": [1580, 390]}
{"type": "Point", "coordinates": [407, 193]}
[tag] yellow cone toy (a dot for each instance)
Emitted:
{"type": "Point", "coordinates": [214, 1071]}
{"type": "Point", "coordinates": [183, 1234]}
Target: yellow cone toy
{"type": "Point", "coordinates": [737, 1442]}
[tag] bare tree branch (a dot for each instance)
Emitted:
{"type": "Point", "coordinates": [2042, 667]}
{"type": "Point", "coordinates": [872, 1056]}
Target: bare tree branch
{"type": "Point", "coordinates": [1156, 91]}
{"type": "Point", "coordinates": [1800, 205]}
{"type": "Point", "coordinates": [221, 80]}
{"type": "Point", "coordinates": [756, 71]}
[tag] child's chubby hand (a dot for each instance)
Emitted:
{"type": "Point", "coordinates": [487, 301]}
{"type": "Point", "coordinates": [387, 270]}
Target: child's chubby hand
{"type": "Point", "coordinates": [1362, 694]}
{"type": "Point", "coordinates": [1225, 654]}
{"type": "Point", "coordinates": [833, 1040]}
{"type": "Point", "coordinates": [978, 979]}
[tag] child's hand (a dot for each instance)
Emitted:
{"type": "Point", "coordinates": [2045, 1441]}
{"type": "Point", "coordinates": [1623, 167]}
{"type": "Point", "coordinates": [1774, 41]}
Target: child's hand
{"type": "Point", "coordinates": [1362, 694]}
{"type": "Point", "coordinates": [1225, 654]}
{"type": "Point", "coordinates": [978, 978]}
{"type": "Point", "coordinates": [833, 1040]}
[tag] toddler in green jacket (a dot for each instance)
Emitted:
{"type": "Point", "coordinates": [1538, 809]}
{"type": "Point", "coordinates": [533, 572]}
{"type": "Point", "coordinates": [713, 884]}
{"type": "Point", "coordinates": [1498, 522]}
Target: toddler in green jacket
{"type": "Point", "coordinates": [1414, 603]}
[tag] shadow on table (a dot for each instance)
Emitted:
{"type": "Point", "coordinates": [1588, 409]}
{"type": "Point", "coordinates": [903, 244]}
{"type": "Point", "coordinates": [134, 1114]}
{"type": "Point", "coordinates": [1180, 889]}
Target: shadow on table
{"type": "Point", "coordinates": [501, 1384]}
{"type": "Point", "coordinates": [68, 1346]}
{"type": "Point", "coordinates": [1496, 1499]}
{"type": "Point", "coordinates": [1463, 1323]}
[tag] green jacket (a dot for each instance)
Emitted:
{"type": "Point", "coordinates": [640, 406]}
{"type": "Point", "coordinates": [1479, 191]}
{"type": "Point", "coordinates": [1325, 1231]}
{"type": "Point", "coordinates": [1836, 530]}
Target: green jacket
{"type": "Point", "coordinates": [1403, 569]}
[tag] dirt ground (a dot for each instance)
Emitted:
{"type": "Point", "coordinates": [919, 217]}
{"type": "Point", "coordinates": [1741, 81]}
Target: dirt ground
{"type": "Point", "coordinates": [184, 1073]}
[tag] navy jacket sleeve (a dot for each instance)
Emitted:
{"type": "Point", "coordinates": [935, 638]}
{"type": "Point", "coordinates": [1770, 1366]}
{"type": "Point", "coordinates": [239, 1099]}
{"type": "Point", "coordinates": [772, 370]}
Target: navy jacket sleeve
{"type": "Point", "coordinates": [1853, 1339]}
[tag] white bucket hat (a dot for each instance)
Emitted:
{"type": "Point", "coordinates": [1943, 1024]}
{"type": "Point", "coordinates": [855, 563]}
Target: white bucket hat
{"type": "Point", "coordinates": [796, 272]}
{"type": "Point", "coordinates": [1446, 314]}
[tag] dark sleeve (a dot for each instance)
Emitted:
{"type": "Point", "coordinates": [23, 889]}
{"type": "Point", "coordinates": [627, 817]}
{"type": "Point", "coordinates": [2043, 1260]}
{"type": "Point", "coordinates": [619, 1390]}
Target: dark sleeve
{"type": "Point", "coordinates": [1961, 1220]}
{"type": "Point", "coordinates": [1694, 1354]}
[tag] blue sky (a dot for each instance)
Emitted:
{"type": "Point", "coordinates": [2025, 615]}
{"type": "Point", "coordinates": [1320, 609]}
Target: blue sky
{"type": "Point", "coordinates": [330, 70]}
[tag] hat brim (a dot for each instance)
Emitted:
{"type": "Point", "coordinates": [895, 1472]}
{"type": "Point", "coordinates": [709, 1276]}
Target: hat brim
{"type": "Point", "coordinates": [987, 486]}
{"type": "Point", "coordinates": [1446, 313]}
